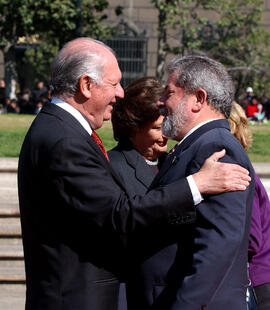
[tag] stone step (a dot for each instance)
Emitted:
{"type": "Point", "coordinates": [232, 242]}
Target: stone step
{"type": "Point", "coordinates": [8, 164]}
{"type": "Point", "coordinates": [13, 290]}
{"type": "Point", "coordinates": [9, 209]}
{"type": "Point", "coordinates": [10, 227]}
{"type": "Point", "coordinates": [8, 180]}
{"type": "Point", "coordinates": [9, 194]}
{"type": "Point", "coordinates": [11, 248]}
{"type": "Point", "coordinates": [12, 271]}
{"type": "Point", "coordinates": [12, 296]}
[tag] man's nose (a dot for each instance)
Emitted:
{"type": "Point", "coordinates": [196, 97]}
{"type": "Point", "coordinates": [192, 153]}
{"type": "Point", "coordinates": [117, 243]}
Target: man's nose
{"type": "Point", "coordinates": [119, 91]}
{"type": "Point", "coordinates": [160, 103]}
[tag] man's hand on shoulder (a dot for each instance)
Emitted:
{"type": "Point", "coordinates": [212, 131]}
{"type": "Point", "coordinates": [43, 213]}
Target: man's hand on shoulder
{"type": "Point", "coordinates": [215, 177]}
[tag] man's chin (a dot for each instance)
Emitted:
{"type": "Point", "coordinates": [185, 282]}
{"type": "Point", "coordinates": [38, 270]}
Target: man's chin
{"type": "Point", "coordinates": [107, 116]}
{"type": "Point", "coordinates": [108, 113]}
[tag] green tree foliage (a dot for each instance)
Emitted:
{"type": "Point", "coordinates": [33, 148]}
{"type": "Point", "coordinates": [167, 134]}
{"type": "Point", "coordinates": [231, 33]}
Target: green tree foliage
{"type": "Point", "coordinates": [227, 30]}
{"type": "Point", "coordinates": [48, 24]}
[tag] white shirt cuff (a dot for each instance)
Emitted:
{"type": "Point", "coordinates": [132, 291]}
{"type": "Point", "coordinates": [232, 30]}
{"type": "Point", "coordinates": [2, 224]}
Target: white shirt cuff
{"type": "Point", "coordinates": [197, 197]}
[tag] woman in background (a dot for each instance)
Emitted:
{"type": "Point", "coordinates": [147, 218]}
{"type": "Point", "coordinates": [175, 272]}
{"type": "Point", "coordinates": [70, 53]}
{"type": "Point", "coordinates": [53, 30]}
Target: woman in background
{"type": "Point", "coordinates": [259, 241]}
{"type": "Point", "coordinates": [137, 123]}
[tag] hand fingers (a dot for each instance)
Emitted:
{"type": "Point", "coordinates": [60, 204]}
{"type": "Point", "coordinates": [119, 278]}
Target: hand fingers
{"type": "Point", "coordinates": [237, 182]}
{"type": "Point", "coordinates": [233, 168]}
{"type": "Point", "coordinates": [239, 177]}
{"type": "Point", "coordinates": [217, 155]}
{"type": "Point", "coordinates": [239, 168]}
{"type": "Point", "coordinates": [237, 186]}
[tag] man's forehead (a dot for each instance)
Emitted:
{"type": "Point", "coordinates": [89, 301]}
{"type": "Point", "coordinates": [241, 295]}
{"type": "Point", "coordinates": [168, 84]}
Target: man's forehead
{"type": "Point", "coordinates": [112, 70]}
{"type": "Point", "coordinates": [171, 79]}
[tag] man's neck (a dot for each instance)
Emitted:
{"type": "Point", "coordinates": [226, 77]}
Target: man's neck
{"type": "Point", "coordinates": [200, 121]}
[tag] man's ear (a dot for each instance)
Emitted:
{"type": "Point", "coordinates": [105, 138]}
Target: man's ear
{"type": "Point", "coordinates": [201, 97]}
{"type": "Point", "coordinates": [85, 85]}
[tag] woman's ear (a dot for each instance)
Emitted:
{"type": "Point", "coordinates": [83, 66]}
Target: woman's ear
{"type": "Point", "coordinates": [85, 85]}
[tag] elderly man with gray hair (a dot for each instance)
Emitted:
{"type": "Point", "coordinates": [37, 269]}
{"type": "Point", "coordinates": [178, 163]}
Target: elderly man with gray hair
{"type": "Point", "coordinates": [210, 265]}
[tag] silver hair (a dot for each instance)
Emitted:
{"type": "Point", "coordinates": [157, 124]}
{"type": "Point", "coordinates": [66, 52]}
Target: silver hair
{"type": "Point", "coordinates": [194, 72]}
{"type": "Point", "coordinates": [67, 68]}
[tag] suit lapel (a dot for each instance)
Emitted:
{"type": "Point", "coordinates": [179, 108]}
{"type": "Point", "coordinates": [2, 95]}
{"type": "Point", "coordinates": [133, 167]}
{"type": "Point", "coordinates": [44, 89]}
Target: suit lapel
{"type": "Point", "coordinates": [69, 120]}
{"type": "Point", "coordinates": [173, 157]}
{"type": "Point", "coordinates": [143, 172]}
{"type": "Point", "coordinates": [65, 117]}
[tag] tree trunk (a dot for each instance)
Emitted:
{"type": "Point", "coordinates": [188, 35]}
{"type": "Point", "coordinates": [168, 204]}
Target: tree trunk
{"type": "Point", "coordinates": [10, 71]}
{"type": "Point", "coordinates": [162, 41]}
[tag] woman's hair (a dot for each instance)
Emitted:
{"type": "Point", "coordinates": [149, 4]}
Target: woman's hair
{"type": "Point", "coordinates": [137, 108]}
{"type": "Point", "coordinates": [239, 126]}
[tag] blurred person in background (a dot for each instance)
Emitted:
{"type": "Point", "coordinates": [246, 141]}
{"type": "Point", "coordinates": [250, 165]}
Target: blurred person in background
{"type": "Point", "coordinates": [12, 106]}
{"type": "Point", "coordinates": [249, 93]}
{"type": "Point", "coordinates": [2, 92]}
{"type": "Point", "coordinates": [25, 102]}
{"type": "Point", "coordinates": [39, 91]}
{"type": "Point", "coordinates": [266, 106]}
{"type": "Point", "coordinates": [247, 98]}
{"type": "Point", "coordinates": [259, 241]}
{"type": "Point", "coordinates": [254, 110]}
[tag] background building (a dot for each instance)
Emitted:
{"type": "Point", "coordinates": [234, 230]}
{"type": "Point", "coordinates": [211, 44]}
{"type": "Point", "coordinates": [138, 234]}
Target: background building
{"type": "Point", "coordinates": [141, 17]}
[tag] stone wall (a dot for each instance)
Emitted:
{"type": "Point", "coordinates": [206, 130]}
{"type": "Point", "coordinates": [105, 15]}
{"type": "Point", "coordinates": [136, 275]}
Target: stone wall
{"type": "Point", "coordinates": [143, 14]}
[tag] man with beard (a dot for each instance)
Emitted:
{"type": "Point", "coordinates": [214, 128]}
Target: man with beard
{"type": "Point", "coordinates": [209, 270]}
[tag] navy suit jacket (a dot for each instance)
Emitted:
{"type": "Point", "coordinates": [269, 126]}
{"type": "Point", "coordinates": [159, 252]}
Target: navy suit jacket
{"type": "Point", "coordinates": [74, 209]}
{"type": "Point", "coordinates": [210, 266]}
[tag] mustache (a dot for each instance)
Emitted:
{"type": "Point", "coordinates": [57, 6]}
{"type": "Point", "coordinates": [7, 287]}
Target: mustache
{"type": "Point", "coordinates": [163, 110]}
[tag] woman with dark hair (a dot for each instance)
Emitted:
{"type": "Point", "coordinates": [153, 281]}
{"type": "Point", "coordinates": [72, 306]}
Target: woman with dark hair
{"type": "Point", "coordinates": [137, 123]}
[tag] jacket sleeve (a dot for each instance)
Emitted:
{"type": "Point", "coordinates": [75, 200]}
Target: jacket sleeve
{"type": "Point", "coordinates": [256, 238]}
{"type": "Point", "coordinates": [83, 182]}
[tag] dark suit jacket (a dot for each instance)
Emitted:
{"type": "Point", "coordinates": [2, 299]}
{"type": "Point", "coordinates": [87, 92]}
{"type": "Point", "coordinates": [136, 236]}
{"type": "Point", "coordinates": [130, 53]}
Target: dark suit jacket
{"type": "Point", "coordinates": [137, 177]}
{"type": "Point", "coordinates": [210, 267]}
{"type": "Point", "coordinates": [130, 166]}
{"type": "Point", "coordinates": [73, 210]}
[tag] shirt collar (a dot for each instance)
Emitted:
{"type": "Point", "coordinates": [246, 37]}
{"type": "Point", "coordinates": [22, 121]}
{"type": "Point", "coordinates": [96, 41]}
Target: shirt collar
{"type": "Point", "coordinates": [195, 128]}
{"type": "Point", "coordinates": [75, 113]}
